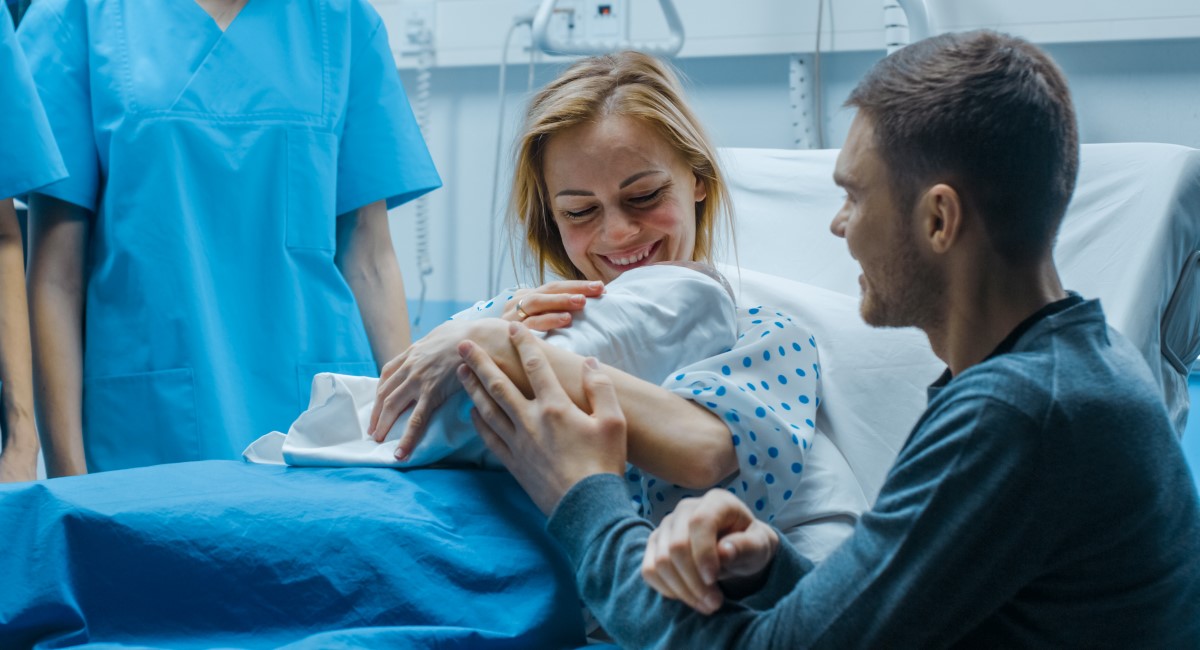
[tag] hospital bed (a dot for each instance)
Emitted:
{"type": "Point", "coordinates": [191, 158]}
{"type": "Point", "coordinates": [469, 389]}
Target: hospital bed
{"type": "Point", "coordinates": [223, 553]}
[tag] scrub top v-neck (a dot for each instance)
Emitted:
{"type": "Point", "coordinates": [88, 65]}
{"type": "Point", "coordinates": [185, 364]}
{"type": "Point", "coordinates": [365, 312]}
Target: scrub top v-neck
{"type": "Point", "coordinates": [215, 163]}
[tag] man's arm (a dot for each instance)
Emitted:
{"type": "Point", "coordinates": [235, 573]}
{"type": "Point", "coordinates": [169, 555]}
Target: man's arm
{"type": "Point", "coordinates": [368, 262]}
{"type": "Point", "coordinates": [58, 236]}
{"type": "Point", "coordinates": [913, 573]}
{"type": "Point", "coordinates": [670, 437]}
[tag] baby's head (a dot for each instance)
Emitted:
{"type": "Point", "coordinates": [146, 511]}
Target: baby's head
{"type": "Point", "coordinates": [705, 268]}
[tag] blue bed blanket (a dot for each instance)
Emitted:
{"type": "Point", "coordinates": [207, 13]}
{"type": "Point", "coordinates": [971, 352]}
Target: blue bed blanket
{"type": "Point", "coordinates": [229, 554]}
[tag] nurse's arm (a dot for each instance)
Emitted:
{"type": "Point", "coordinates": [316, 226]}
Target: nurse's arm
{"type": "Point", "coordinates": [668, 436]}
{"type": "Point", "coordinates": [19, 458]}
{"type": "Point", "coordinates": [368, 262]}
{"type": "Point", "coordinates": [58, 236]}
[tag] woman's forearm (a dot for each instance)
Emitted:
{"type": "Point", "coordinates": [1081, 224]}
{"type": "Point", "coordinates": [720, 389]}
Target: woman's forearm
{"type": "Point", "coordinates": [58, 234]}
{"type": "Point", "coordinates": [16, 371]}
{"type": "Point", "coordinates": [669, 436]}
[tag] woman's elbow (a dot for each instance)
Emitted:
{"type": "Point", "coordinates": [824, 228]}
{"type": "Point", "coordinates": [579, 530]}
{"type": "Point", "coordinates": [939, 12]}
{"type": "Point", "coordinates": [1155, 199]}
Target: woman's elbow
{"type": "Point", "coordinates": [712, 463]}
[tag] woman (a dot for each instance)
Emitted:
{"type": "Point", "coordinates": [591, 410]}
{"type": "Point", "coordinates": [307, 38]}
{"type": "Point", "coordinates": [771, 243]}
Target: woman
{"type": "Point", "coordinates": [231, 165]}
{"type": "Point", "coordinates": [614, 173]}
{"type": "Point", "coordinates": [28, 159]}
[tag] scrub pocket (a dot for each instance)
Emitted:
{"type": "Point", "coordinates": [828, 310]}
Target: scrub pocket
{"type": "Point", "coordinates": [306, 371]}
{"type": "Point", "coordinates": [146, 418]}
{"type": "Point", "coordinates": [311, 189]}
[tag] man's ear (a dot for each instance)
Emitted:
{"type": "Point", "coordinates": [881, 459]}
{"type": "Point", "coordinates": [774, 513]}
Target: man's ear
{"type": "Point", "coordinates": [941, 217]}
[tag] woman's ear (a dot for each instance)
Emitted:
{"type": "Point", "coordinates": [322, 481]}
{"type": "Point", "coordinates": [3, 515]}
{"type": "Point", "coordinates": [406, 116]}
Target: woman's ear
{"type": "Point", "coordinates": [941, 217]}
{"type": "Point", "coordinates": [701, 188]}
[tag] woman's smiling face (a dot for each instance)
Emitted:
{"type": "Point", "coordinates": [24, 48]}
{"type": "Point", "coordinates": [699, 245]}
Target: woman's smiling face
{"type": "Point", "coordinates": [621, 196]}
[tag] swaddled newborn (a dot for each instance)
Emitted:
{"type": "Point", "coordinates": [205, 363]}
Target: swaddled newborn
{"type": "Point", "coordinates": [649, 322]}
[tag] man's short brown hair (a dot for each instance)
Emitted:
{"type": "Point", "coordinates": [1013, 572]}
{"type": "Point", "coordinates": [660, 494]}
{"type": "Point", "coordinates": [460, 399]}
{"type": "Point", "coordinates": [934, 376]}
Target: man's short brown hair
{"type": "Point", "coordinates": [988, 114]}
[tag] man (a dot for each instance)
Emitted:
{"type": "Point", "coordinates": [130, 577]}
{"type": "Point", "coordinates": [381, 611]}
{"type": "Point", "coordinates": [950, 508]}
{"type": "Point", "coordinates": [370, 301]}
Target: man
{"type": "Point", "coordinates": [1041, 500]}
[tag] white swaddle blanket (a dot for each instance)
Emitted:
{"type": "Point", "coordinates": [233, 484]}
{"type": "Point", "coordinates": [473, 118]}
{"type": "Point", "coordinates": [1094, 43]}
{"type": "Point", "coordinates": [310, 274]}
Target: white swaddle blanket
{"type": "Point", "coordinates": [649, 322]}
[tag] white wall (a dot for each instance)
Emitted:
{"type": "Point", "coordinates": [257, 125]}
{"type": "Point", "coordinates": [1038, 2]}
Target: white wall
{"type": "Point", "coordinates": [1126, 90]}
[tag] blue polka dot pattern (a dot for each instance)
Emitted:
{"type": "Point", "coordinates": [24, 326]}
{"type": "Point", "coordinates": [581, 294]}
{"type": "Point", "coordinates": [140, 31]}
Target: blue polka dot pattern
{"type": "Point", "coordinates": [769, 437]}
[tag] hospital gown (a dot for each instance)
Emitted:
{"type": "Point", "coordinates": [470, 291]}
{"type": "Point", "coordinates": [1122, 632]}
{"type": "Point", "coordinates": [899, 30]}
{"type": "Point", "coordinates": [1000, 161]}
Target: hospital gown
{"type": "Point", "coordinates": [765, 386]}
{"type": "Point", "coordinates": [215, 164]}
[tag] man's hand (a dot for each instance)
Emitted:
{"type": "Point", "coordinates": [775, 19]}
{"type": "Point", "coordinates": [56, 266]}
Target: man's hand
{"type": "Point", "coordinates": [706, 540]}
{"type": "Point", "coordinates": [547, 442]}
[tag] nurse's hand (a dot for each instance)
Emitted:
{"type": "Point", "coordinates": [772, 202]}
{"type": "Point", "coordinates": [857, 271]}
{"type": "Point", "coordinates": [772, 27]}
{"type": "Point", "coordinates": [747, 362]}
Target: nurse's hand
{"type": "Point", "coordinates": [421, 378]}
{"type": "Point", "coordinates": [550, 305]}
{"type": "Point", "coordinates": [705, 541]}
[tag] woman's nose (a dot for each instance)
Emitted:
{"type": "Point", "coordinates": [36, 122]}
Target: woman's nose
{"type": "Point", "coordinates": [620, 226]}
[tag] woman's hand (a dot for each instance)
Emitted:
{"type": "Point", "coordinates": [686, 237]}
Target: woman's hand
{"type": "Point", "coordinates": [422, 378]}
{"type": "Point", "coordinates": [706, 540]}
{"type": "Point", "coordinates": [550, 305]}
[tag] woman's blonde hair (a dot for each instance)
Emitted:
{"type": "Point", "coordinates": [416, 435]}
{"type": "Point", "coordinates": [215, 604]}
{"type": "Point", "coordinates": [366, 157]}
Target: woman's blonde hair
{"type": "Point", "coordinates": [629, 84]}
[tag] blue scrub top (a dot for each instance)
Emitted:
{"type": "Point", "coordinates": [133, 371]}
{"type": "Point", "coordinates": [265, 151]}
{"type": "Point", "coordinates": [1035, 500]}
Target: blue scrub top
{"type": "Point", "coordinates": [215, 164]}
{"type": "Point", "coordinates": [29, 157]}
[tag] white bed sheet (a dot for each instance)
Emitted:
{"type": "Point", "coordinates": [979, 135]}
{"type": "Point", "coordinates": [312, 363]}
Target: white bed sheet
{"type": "Point", "coordinates": [1130, 238]}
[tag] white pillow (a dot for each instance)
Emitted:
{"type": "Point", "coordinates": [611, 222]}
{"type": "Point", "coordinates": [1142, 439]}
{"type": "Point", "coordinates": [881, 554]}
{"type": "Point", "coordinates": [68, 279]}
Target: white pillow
{"type": "Point", "coordinates": [873, 380]}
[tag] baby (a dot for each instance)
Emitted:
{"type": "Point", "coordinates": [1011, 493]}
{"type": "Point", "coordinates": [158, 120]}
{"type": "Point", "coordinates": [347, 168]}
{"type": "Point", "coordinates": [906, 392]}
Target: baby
{"type": "Point", "coordinates": [649, 322]}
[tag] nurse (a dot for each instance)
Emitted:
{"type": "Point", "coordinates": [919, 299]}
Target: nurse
{"type": "Point", "coordinates": [28, 159]}
{"type": "Point", "coordinates": [223, 234]}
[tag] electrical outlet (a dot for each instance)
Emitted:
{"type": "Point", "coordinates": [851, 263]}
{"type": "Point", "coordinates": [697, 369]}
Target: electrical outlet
{"type": "Point", "coordinates": [604, 19]}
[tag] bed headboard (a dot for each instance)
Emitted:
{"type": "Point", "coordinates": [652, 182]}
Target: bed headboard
{"type": "Point", "coordinates": [1131, 237]}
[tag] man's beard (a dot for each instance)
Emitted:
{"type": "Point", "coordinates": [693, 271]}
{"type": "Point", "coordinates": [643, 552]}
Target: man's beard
{"type": "Point", "coordinates": [909, 294]}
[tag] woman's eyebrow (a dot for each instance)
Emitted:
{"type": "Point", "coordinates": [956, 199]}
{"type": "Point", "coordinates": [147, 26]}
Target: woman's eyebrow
{"type": "Point", "coordinates": [638, 176]}
{"type": "Point", "coordinates": [574, 193]}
